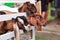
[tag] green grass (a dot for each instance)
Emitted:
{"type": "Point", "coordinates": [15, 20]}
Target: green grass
{"type": "Point", "coordinates": [40, 38]}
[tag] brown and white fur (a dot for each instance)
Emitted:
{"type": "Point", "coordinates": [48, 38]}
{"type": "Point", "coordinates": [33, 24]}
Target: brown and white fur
{"type": "Point", "coordinates": [6, 26]}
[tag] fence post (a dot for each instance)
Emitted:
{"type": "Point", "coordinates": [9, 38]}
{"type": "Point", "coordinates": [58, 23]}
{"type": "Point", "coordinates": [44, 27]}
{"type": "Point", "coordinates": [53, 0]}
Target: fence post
{"type": "Point", "coordinates": [33, 32]}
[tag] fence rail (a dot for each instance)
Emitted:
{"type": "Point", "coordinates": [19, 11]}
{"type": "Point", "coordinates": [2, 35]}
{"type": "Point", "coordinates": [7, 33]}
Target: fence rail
{"type": "Point", "coordinates": [10, 16]}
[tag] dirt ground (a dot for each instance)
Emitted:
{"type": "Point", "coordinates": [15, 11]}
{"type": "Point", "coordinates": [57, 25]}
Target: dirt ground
{"type": "Point", "coordinates": [48, 35]}
{"type": "Point", "coordinates": [53, 26]}
{"type": "Point", "coordinates": [51, 31]}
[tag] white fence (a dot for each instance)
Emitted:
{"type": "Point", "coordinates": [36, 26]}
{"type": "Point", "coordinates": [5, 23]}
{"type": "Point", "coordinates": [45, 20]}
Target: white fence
{"type": "Point", "coordinates": [11, 34]}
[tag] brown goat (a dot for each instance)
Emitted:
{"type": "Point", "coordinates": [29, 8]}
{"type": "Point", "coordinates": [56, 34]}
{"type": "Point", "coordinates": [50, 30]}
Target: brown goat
{"type": "Point", "coordinates": [33, 15]}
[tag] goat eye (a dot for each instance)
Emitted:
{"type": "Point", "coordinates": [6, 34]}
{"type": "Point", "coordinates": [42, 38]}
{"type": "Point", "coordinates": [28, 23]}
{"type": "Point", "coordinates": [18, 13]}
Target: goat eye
{"type": "Point", "coordinates": [37, 17]}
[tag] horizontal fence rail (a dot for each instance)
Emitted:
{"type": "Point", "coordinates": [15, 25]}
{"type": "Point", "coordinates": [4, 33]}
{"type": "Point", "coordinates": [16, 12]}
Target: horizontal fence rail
{"type": "Point", "coordinates": [10, 16]}
{"type": "Point", "coordinates": [7, 36]}
{"type": "Point", "coordinates": [3, 7]}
